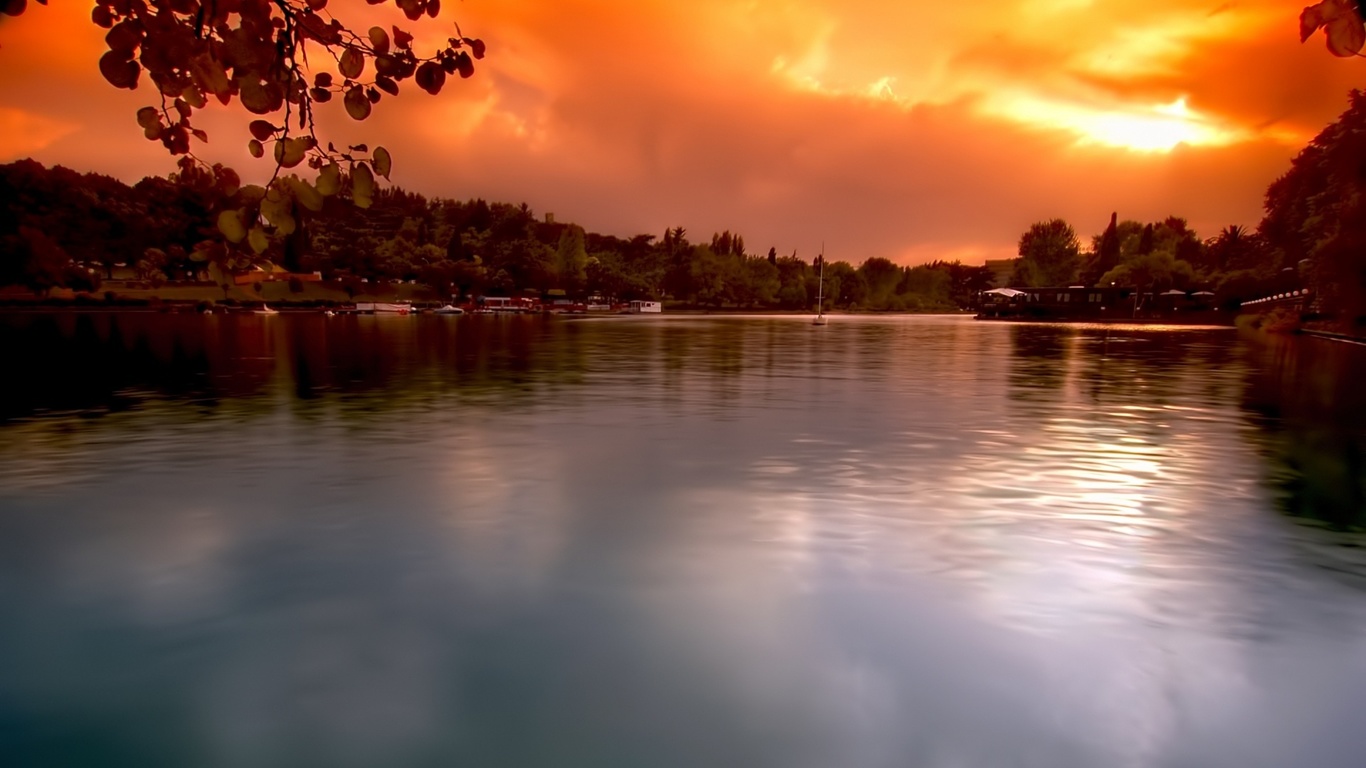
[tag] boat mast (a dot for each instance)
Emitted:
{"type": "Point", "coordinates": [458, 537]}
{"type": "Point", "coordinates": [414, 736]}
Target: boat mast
{"type": "Point", "coordinates": [820, 284]}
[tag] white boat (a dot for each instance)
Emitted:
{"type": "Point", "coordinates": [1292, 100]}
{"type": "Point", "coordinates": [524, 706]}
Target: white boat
{"type": "Point", "coordinates": [265, 310]}
{"type": "Point", "coordinates": [384, 308]}
{"type": "Point", "coordinates": [820, 293]}
{"type": "Point", "coordinates": [448, 310]}
{"type": "Point", "coordinates": [644, 307]}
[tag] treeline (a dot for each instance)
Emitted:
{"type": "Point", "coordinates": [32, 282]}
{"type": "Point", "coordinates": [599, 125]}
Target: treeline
{"type": "Point", "coordinates": [62, 228]}
{"type": "Point", "coordinates": [1313, 235]}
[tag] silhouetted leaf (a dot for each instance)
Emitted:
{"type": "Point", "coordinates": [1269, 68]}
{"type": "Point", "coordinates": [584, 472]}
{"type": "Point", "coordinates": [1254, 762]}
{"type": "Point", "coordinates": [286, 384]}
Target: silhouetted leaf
{"type": "Point", "coordinates": [357, 105]}
{"type": "Point", "coordinates": [362, 185]}
{"type": "Point", "coordinates": [402, 39]}
{"type": "Point", "coordinates": [430, 78]}
{"type": "Point", "coordinates": [351, 64]}
{"type": "Point", "coordinates": [149, 117]}
{"type": "Point", "coordinates": [290, 152]}
{"type": "Point", "coordinates": [261, 130]}
{"type": "Point", "coordinates": [304, 193]}
{"type": "Point", "coordinates": [255, 148]}
{"type": "Point", "coordinates": [379, 40]}
{"type": "Point", "coordinates": [383, 162]}
{"type": "Point", "coordinates": [258, 240]}
{"type": "Point", "coordinates": [124, 37]}
{"type": "Point", "coordinates": [329, 180]}
{"type": "Point", "coordinates": [119, 70]}
{"type": "Point", "coordinates": [230, 224]}
{"type": "Point", "coordinates": [464, 64]}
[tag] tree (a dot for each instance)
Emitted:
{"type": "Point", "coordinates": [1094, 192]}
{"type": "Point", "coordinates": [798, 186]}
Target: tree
{"type": "Point", "coordinates": [259, 52]}
{"type": "Point", "coordinates": [1104, 253]}
{"type": "Point", "coordinates": [1050, 254]}
{"type": "Point", "coordinates": [571, 259]}
{"type": "Point", "coordinates": [1152, 271]}
{"type": "Point", "coordinates": [1316, 215]}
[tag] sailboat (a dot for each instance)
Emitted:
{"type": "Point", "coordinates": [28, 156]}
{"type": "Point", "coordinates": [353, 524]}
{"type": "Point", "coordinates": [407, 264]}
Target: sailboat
{"type": "Point", "coordinates": [820, 294]}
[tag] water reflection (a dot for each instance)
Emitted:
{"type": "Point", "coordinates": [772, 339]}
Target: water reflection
{"type": "Point", "coordinates": [667, 541]}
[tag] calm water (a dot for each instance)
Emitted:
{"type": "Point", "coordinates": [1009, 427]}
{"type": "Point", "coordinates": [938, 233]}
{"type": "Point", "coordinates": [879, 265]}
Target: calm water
{"type": "Point", "coordinates": [706, 541]}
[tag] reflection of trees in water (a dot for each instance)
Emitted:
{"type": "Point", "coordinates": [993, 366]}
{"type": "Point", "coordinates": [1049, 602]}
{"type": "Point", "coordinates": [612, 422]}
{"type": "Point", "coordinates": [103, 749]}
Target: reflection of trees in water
{"type": "Point", "coordinates": [1304, 396]}
{"type": "Point", "coordinates": [93, 363]}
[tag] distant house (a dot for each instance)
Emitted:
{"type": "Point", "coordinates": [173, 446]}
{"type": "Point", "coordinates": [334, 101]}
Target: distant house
{"type": "Point", "coordinates": [273, 273]}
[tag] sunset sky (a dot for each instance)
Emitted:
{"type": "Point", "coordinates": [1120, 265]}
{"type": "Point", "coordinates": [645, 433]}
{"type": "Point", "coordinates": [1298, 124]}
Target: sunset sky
{"type": "Point", "coordinates": [906, 130]}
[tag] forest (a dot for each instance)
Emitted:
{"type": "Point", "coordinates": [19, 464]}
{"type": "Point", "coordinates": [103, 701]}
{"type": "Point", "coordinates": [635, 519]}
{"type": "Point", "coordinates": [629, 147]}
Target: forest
{"type": "Point", "coordinates": [61, 228]}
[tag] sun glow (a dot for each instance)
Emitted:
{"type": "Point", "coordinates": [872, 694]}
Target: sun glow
{"type": "Point", "coordinates": [1155, 128]}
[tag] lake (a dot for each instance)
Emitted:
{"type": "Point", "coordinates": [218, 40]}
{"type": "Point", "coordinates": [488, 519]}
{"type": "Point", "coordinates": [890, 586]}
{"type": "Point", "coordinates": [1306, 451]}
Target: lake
{"type": "Point", "coordinates": [677, 541]}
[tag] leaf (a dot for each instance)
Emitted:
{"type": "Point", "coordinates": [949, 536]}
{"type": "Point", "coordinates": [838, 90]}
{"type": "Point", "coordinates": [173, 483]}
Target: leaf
{"type": "Point", "coordinates": [351, 64]}
{"type": "Point", "coordinates": [1346, 34]}
{"type": "Point", "coordinates": [433, 8]}
{"type": "Point", "coordinates": [329, 180]}
{"type": "Point", "coordinates": [476, 47]}
{"type": "Point", "coordinates": [304, 193]}
{"type": "Point", "coordinates": [252, 193]}
{"type": "Point", "coordinates": [125, 36]}
{"type": "Point", "coordinates": [383, 162]}
{"type": "Point", "coordinates": [230, 224]}
{"type": "Point", "coordinates": [119, 70]}
{"type": "Point", "coordinates": [362, 186]}
{"type": "Point", "coordinates": [320, 95]}
{"type": "Point", "coordinates": [277, 201]}
{"type": "Point", "coordinates": [464, 64]}
{"type": "Point", "coordinates": [149, 117]}
{"type": "Point", "coordinates": [260, 96]}
{"type": "Point", "coordinates": [317, 5]}
{"type": "Point", "coordinates": [357, 104]}
{"type": "Point", "coordinates": [209, 75]}
{"type": "Point", "coordinates": [258, 240]}
{"type": "Point", "coordinates": [261, 130]}
{"type": "Point", "coordinates": [1311, 18]}
{"type": "Point", "coordinates": [285, 225]}
{"type": "Point", "coordinates": [402, 39]}
{"type": "Point", "coordinates": [430, 78]}
{"type": "Point", "coordinates": [199, 134]}
{"type": "Point", "coordinates": [379, 40]}
{"type": "Point", "coordinates": [291, 152]}
{"type": "Point", "coordinates": [255, 148]}
{"type": "Point", "coordinates": [101, 16]}
{"type": "Point", "coordinates": [194, 97]}
{"type": "Point", "coordinates": [387, 85]}
{"type": "Point", "coordinates": [1341, 24]}
{"type": "Point", "coordinates": [228, 180]}
{"type": "Point", "coordinates": [322, 80]}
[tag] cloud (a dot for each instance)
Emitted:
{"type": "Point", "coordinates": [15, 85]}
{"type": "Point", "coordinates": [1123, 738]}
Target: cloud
{"type": "Point", "coordinates": [898, 130]}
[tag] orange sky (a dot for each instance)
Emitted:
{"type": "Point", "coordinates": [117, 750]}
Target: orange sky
{"type": "Point", "coordinates": [907, 130]}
